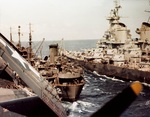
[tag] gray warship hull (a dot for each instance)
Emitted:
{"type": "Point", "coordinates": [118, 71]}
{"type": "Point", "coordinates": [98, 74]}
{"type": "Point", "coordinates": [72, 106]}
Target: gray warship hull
{"type": "Point", "coordinates": [112, 71]}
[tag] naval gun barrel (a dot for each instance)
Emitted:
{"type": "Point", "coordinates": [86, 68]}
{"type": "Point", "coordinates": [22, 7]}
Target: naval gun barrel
{"type": "Point", "coordinates": [31, 77]}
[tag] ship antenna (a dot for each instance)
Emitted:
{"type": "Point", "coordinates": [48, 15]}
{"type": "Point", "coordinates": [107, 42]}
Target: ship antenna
{"type": "Point", "coordinates": [30, 43]}
{"type": "Point", "coordinates": [117, 7]}
{"type": "Point", "coordinates": [114, 15]}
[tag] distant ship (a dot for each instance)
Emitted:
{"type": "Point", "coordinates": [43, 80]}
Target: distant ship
{"type": "Point", "coordinates": [116, 54]}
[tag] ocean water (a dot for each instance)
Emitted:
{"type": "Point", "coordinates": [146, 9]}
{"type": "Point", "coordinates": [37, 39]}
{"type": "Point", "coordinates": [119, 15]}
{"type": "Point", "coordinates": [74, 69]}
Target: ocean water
{"type": "Point", "coordinates": [98, 89]}
{"type": "Point", "coordinates": [73, 45]}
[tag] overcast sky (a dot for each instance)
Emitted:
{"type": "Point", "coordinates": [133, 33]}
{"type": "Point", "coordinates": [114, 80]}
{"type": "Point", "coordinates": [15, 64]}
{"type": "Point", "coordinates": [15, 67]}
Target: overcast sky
{"type": "Point", "coordinates": [68, 19]}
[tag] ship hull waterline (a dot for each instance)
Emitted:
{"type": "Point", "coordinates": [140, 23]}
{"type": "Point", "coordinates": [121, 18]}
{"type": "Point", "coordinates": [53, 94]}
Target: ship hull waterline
{"type": "Point", "coordinates": [122, 73]}
{"type": "Point", "coordinates": [70, 92]}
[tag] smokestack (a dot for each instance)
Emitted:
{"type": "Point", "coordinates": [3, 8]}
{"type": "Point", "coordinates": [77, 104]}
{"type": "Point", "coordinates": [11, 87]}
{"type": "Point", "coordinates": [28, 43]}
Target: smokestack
{"type": "Point", "coordinates": [53, 52]}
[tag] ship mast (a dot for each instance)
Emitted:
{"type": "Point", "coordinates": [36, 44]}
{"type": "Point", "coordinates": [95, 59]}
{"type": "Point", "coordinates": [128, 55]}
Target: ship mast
{"type": "Point", "coordinates": [114, 14]}
{"type": "Point", "coordinates": [19, 43]}
{"type": "Point", "coordinates": [30, 44]}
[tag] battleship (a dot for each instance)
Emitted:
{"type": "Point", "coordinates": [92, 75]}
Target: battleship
{"type": "Point", "coordinates": [116, 54]}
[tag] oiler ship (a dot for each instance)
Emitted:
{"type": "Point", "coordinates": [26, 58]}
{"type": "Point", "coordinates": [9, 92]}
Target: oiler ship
{"type": "Point", "coordinates": [117, 54]}
{"type": "Point", "coordinates": [59, 71]}
{"type": "Point", "coordinates": [65, 75]}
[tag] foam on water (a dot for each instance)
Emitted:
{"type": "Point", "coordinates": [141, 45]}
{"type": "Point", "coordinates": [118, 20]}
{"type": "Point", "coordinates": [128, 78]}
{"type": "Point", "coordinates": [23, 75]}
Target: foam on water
{"type": "Point", "coordinates": [104, 76]}
{"type": "Point", "coordinates": [80, 107]}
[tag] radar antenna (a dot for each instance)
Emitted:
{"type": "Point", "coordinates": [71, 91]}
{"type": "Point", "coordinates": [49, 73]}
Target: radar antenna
{"type": "Point", "coordinates": [117, 7]}
{"type": "Point", "coordinates": [114, 15]}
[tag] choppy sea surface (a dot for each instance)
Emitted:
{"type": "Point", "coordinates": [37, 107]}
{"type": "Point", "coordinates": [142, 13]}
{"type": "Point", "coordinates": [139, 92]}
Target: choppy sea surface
{"type": "Point", "coordinates": [98, 89]}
